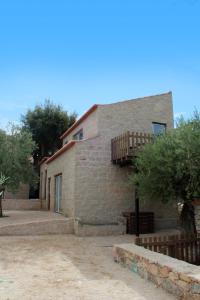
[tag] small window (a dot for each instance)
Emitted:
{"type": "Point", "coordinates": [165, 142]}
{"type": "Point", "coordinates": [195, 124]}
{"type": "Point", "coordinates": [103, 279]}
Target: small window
{"type": "Point", "coordinates": [159, 128]}
{"type": "Point", "coordinates": [78, 136]}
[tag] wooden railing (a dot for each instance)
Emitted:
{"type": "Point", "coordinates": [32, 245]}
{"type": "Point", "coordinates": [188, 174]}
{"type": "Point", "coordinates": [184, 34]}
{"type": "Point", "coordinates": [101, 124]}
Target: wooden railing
{"type": "Point", "coordinates": [185, 247]}
{"type": "Point", "coordinates": [125, 146]}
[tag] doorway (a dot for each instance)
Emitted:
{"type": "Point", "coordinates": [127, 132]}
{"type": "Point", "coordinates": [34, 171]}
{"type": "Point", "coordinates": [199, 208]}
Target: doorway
{"type": "Point", "coordinates": [49, 193]}
{"type": "Point", "coordinates": [58, 193]}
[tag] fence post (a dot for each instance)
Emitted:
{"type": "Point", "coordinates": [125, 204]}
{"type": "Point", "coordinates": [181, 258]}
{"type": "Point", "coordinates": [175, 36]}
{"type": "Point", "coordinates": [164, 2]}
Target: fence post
{"type": "Point", "coordinates": [171, 246]}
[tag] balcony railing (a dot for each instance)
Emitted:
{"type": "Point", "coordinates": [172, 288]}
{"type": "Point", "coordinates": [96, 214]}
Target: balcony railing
{"type": "Point", "coordinates": [125, 147]}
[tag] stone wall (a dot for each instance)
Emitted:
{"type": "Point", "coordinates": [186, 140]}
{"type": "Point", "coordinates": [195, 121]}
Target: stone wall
{"type": "Point", "coordinates": [89, 127]}
{"type": "Point", "coordinates": [102, 190]}
{"type": "Point", "coordinates": [98, 230]}
{"type": "Point", "coordinates": [175, 276]}
{"type": "Point", "coordinates": [197, 214]}
{"type": "Point", "coordinates": [22, 193]}
{"type": "Point", "coordinates": [43, 180]}
{"type": "Point", "coordinates": [135, 115]}
{"type": "Point", "coordinates": [65, 165]}
{"type": "Point", "coordinates": [21, 204]}
{"type": "Point", "coordinates": [93, 189]}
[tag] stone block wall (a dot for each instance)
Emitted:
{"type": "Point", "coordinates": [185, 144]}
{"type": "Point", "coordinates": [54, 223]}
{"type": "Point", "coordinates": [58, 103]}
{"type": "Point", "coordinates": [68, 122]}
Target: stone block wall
{"type": "Point", "coordinates": [21, 204]}
{"type": "Point", "coordinates": [65, 165]}
{"type": "Point", "coordinates": [177, 277]}
{"type": "Point", "coordinates": [134, 115]}
{"type": "Point", "coordinates": [93, 189]}
{"type": "Point", "coordinates": [89, 127]}
{"type": "Point", "coordinates": [22, 193]}
{"type": "Point", "coordinates": [98, 230]}
{"type": "Point", "coordinates": [43, 168]}
{"type": "Point", "coordinates": [138, 115]}
{"type": "Point", "coordinates": [102, 190]}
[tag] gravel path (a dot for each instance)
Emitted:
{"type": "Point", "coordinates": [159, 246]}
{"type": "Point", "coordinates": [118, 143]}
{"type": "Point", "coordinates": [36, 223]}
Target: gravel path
{"type": "Point", "coordinates": [68, 267]}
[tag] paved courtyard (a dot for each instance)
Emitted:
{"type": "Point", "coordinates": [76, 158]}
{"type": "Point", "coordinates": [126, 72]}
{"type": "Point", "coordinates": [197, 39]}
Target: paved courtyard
{"type": "Point", "coordinates": [68, 267]}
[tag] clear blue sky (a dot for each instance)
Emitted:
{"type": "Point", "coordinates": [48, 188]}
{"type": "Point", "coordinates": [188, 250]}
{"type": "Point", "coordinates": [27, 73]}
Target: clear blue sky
{"type": "Point", "coordinates": [81, 52]}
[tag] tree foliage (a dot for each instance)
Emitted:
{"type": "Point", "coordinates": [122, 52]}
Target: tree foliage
{"type": "Point", "coordinates": [15, 157]}
{"type": "Point", "coordinates": [169, 168]}
{"type": "Point", "coordinates": [46, 123]}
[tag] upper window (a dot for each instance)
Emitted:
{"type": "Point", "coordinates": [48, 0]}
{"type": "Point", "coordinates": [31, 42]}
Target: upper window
{"type": "Point", "coordinates": [78, 136]}
{"type": "Point", "coordinates": [159, 128]}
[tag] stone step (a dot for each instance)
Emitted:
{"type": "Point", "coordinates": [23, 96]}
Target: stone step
{"type": "Point", "coordinates": [38, 227]}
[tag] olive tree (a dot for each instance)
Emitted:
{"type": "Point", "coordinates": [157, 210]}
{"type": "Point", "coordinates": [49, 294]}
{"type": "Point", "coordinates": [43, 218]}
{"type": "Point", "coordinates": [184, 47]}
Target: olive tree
{"type": "Point", "coordinates": [47, 122]}
{"type": "Point", "coordinates": [168, 169]}
{"type": "Point", "coordinates": [16, 148]}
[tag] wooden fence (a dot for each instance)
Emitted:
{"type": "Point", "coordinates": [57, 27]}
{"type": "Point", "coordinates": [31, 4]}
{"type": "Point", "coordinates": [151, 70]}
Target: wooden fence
{"type": "Point", "coordinates": [125, 146]}
{"type": "Point", "coordinates": [185, 247]}
{"type": "Point", "coordinates": [146, 222]}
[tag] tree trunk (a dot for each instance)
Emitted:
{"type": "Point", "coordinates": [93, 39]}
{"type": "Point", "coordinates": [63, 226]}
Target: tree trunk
{"type": "Point", "coordinates": [1, 212]}
{"type": "Point", "coordinates": [187, 218]}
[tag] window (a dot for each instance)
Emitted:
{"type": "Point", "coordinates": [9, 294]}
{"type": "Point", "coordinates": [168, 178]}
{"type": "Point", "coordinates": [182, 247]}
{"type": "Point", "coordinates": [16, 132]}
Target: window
{"type": "Point", "coordinates": [78, 136]}
{"type": "Point", "coordinates": [159, 128]}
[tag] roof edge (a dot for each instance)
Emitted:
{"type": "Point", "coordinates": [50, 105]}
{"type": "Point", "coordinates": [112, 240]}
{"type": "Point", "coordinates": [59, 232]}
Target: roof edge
{"type": "Point", "coordinates": [43, 160]}
{"type": "Point", "coordinates": [60, 151]}
{"type": "Point", "coordinates": [139, 98]}
{"type": "Point", "coordinates": [79, 121]}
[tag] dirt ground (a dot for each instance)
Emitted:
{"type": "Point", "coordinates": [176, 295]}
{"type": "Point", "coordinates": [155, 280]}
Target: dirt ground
{"type": "Point", "coordinates": [68, 267]}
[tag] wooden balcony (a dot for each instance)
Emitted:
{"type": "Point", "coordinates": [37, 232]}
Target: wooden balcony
{"type": "Point", "coordinates": [126, 146]}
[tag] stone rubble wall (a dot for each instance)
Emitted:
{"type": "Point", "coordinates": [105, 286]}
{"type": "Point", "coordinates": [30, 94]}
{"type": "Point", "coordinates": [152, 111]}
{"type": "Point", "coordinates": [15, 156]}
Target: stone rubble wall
{"type": "Point", "coordinates": [175, 276]}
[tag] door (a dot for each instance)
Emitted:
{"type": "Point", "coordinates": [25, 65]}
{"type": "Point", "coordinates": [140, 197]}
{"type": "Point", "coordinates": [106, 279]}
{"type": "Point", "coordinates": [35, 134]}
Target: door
{"type": "Point", "coordinates": [58, 193]}
{"type": "Point", "coordinates": [49, 193]}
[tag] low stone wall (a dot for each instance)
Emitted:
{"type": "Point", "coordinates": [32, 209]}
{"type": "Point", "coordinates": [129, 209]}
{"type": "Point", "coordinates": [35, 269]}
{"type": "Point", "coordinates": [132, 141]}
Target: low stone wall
{"type": "Point", "coordinates": [175, 276]}
{"type": "Point", "coordinates": [98, 230]}
{"type": "Point", "coordinates": [21, 204]}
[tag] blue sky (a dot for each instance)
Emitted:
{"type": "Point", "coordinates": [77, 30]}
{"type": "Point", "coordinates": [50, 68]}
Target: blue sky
{"type": "Point", "coordinates": [81, 52]}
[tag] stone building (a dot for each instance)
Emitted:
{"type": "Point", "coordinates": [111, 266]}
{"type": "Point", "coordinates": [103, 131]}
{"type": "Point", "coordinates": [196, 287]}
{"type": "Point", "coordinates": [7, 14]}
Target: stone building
{"type": "Point", "coordinates": [81, 181]}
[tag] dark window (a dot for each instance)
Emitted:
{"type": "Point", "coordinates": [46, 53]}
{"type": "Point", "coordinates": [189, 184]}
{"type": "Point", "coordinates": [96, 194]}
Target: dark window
{"type": "Point", "coordinates": [78, 136]}
{"type": "Point", "coordinates": [159, 128]}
